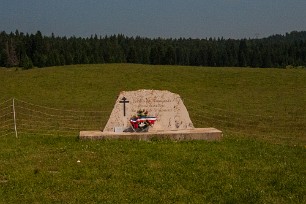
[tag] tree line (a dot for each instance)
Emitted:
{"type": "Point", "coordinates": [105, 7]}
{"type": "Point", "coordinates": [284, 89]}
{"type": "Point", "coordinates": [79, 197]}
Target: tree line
{"type": "Point", "coordinates": [35, 50]}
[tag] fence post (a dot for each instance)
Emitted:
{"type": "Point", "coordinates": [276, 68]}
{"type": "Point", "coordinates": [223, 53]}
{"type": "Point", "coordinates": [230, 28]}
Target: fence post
{"type": "Point", "coordinates": [15, 118]}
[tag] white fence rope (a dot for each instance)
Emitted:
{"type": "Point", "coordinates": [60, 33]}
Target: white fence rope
{"type": "Point", "coordinates": [230, 112]}
{"type": "Point", "coordinates": [61, 110]}
{"type": "Point", "coordinates": [8, 101]}
{"type": "Point", "coordinates": [282, 128]}
{"type": "Point", "coordinates": [276, 122]}
{"type": "Point", "coordinates": [6, 119]}
{"type": "Point", "coordinates": [41, 120]}
{"type": "Point", "coordinates": [35, 119]}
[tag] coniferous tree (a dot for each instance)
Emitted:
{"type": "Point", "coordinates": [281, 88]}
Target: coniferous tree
{"type": "Point", "coordinates": [27, 50]}
{"type": "Point", "coordinates": [10, 57]}
{"type": "Point", "coordinates": [243, 54]}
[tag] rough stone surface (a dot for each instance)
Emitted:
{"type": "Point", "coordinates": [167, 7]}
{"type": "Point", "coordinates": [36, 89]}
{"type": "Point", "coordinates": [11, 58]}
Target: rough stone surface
{"type": "Point", "coordinates": [209, 134]}
{"type": "Point", "coordinates": [167, 107]}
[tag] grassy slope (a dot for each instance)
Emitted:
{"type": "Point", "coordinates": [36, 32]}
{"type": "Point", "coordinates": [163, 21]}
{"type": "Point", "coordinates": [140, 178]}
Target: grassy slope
{"type": "Point", "coordinates": [266, 104]}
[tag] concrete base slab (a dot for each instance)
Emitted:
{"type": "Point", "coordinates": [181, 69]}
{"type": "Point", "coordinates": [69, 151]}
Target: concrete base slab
{"type": "Point", "coordinates": [193, 134]}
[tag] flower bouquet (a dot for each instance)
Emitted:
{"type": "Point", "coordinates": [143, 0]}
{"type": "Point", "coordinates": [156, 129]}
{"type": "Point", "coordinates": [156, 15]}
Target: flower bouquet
{"type": "Point", "coordinates": [141, 121]}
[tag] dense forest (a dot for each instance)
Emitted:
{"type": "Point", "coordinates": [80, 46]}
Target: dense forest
{"type": "Point", "coordinates": [35, 50]}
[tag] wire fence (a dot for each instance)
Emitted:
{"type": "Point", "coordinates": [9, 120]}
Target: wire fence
{"type": "Point", "coordinates": [6, 118]}
{"type": "Point", "coordinates": [276, 126]}
{"type": "Point", "coordinates": [19, 117]}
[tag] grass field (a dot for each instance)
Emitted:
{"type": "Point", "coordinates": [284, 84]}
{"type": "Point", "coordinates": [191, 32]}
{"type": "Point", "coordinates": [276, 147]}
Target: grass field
{"type": "Point", "coordinates": [261, 159]}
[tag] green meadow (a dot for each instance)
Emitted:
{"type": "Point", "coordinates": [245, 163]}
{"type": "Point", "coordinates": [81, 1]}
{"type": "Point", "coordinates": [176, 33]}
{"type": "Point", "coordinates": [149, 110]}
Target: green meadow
{"type": "Point", "coordinates": [260, 159]}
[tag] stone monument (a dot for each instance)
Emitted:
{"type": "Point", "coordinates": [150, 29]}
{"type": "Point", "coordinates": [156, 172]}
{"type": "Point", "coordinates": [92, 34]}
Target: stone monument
{"type": "Point", "coordinates": [168, 108]}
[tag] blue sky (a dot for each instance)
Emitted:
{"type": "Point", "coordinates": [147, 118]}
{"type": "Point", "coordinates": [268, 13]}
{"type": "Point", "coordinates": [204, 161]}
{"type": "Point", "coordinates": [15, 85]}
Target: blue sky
{"type": "Point", "coordinates": [155, 18]}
